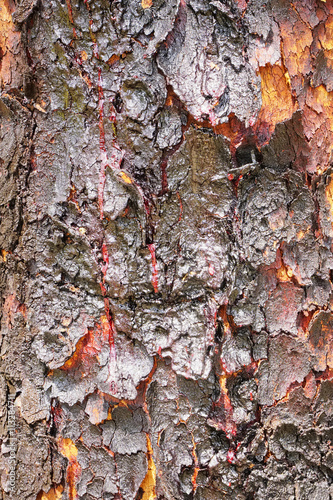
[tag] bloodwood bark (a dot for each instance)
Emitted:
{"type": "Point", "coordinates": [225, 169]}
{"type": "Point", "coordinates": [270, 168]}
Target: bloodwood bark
{"type": "Point", "coordinates": [166, 210]}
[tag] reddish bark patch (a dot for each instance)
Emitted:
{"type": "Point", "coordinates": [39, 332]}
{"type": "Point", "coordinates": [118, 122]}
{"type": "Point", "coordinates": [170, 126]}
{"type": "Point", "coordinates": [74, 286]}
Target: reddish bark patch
{"type": "Point", "coordinates": [154, 279]}
{"type": "Point", "coordinates": [282, 308]}
{"type": "Point", "coordinates": [88, 349]}
{"type": "Point", "coordinates": [221, 415]}
{"type": "Point", "coordinates": [10, 308]}
{"type": "Point", "coordinates": [68, 449]}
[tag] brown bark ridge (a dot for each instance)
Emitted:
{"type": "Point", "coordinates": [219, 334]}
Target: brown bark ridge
{"type": "Point", "coordinates": [166, 210]}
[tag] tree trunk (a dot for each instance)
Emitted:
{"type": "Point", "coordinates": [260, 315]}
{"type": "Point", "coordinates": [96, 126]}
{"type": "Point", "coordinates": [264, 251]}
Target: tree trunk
{"type": "Point", "coordinates": [166, 210]}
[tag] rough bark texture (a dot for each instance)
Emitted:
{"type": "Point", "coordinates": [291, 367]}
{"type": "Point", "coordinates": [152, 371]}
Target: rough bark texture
{"type": "Point", "coordinates": [166, 209]}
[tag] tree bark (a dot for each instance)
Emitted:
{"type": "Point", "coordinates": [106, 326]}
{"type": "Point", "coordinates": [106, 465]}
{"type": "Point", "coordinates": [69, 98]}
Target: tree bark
{"type": "Point", "coordinates": [166, 211]}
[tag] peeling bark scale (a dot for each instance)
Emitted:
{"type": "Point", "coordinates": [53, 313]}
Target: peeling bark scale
{"type": "Point", "coordinates": [166, 230]}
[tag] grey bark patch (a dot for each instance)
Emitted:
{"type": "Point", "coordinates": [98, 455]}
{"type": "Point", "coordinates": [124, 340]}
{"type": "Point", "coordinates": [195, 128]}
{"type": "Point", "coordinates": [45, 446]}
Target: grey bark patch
{"type": "Point", "coordinates": [282, 307]}
{"type": "Point", "coordinates": [289, 360]}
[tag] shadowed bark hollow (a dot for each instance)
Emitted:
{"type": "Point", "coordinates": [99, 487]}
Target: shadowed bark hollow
{"type": "Point", "coordinates": [166, 211]}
